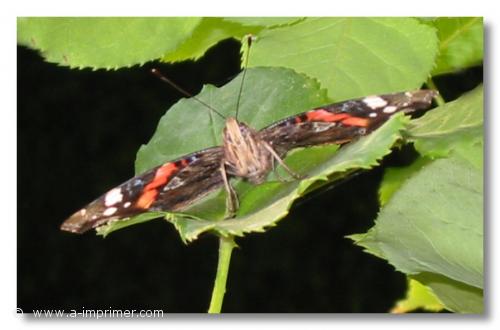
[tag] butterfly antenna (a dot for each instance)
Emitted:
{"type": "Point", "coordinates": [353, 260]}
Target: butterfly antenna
{"type": "Point", "coordinates": [184, 92]}
{"type": "Point", "coordinates": [249, 43]}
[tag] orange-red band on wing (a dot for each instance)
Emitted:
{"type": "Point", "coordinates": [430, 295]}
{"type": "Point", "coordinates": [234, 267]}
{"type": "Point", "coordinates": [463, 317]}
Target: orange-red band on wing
{"type": "Point", "coordinates": [344, 118]}
{"type": "Point", "coordinates": [323, 115]}
{"type": "Point", "coordinates": [146, 199]}
{"type": "Point", "coordinates": [356, 121]}
{"type": "Point", "coordinates": [161, 178]}
{"type": "Point", "coordinates": [162, 175]}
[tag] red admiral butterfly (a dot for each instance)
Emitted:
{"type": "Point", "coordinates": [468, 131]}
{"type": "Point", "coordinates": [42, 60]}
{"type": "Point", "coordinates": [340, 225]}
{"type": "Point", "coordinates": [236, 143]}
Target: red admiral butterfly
{"type": "Point", "coordinates": [245, 153]}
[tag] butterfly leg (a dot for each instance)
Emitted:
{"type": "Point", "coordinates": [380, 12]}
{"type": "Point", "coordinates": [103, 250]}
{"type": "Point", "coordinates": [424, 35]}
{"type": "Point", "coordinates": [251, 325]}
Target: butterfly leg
{"type": "Point", "coordinates": [275, 171]}
{"type": "Point", "coordinates": [282, 163]}
{"type": "Point", "coordinates": [232, 202]}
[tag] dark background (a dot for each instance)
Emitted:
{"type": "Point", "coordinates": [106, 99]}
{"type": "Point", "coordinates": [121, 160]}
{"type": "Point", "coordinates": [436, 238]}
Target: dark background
{"type": "Point", "coordinates": [78, 133]}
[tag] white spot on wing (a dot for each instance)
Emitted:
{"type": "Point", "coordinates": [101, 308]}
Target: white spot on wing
{"type": "Point", "coordinates": [127, 204]}
{"type": "Point", "coordinates": [113, 196]}
{"type": "Point", "coordinates": [372, 114]}
{"type": "Point", "coordinates": [374, 102]}
{"type": "Point", "coordinates": [390, 109]}
{"type": "Point", "coordinates": [109, 211]}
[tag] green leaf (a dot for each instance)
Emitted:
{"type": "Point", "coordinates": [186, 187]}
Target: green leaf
{"type": "Point", "coordinates": [460, 43]}
{"type": "Point", "coordinates": [209, 32]}
{"type": "Point", "coordinates": [456, 124]}
{"type": "Point", "coordinates": [269, 94]}
{"type": "Point", "coordinates": [352, 57]}
{"type": "Point", "coordinates": [418, 296]}
{"type": "Point", "coordinates": [434, 224]}
{"type": "Point", "coordinates": [104, 42]}
{"type": "Point", "coordinates": [456, 296]}
{"type": "Point", "coordinates": [440, 242]}
{"type": "Point", "coordinates": [394, 177]}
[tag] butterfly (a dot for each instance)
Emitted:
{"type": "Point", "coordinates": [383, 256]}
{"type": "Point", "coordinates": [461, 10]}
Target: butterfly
{"type": "Point", "coordinates": [245, 153]}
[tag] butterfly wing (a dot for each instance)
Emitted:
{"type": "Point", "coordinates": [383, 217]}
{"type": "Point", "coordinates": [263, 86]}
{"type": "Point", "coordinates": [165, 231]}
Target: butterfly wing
{"type": "Point", "coordinates": [168, 187]}
{"type": "Point", "coordinates": [342, 122]}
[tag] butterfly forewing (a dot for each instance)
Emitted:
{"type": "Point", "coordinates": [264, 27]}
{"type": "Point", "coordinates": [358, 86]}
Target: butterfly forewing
{"type": "Point", "coordinates": [342, 122]}
{"type": "Point", "coordinates": [168, 187]}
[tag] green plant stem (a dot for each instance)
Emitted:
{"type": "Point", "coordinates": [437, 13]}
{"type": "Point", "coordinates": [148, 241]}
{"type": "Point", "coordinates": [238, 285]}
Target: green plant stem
{"type": "Point", "coordinates": [226, 245]}
{"type": "Point", "coordinates": [439, 99]}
